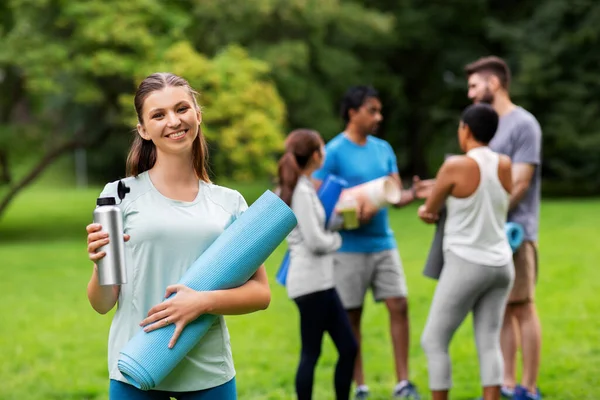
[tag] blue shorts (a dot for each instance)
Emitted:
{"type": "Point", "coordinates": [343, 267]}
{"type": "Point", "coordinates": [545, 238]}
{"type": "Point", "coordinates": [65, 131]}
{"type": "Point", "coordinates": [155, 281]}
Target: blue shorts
{"type": "Point", "coordinates": [124, 391]}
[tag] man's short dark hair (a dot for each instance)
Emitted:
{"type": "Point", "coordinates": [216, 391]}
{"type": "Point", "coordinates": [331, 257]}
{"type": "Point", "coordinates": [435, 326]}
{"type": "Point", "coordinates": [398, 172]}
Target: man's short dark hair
{"type": "Point", "coordinates": [482, 119]}
{"type": "Point", "coordinates": [354, 98]}
{"type": "Point", "coordinates": [491, 65]}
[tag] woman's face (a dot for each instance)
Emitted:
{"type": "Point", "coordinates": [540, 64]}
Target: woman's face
{"type": "Point", "coordinates": [170, 120]}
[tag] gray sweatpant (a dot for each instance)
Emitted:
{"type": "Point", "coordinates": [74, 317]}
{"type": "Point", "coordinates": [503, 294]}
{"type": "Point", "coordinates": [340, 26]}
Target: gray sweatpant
{"type": "Point", "coordinates": [464, 287]}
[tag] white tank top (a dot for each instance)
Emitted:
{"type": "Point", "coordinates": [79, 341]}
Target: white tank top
{"type": "Point", "coordinates": [474, 228]}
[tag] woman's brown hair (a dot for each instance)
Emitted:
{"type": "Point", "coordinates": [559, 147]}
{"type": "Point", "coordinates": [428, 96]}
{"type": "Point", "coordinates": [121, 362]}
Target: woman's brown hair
{"type": "Point", "coordinates": [300, 145]}
{"type": "Point", "coordinates": [142, 154]}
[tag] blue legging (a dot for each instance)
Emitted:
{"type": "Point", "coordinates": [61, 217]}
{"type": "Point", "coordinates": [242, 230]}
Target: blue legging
{"type": "Point", "coordinates": [124, 391]}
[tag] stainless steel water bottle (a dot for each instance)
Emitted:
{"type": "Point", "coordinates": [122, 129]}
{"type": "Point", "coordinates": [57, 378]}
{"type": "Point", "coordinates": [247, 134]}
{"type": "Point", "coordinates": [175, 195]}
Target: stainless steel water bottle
{"type": "Point", "coordinates": [111, 268]}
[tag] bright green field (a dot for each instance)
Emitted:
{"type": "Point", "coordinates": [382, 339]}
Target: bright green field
{"type": "Point", "coordinates": [53, 345]}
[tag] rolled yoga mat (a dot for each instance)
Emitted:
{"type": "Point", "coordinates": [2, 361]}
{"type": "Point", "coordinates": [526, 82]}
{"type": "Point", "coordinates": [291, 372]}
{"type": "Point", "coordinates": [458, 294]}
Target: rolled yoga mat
{"type": "Point", "coordinates": [329, 193]}
{"type": "Point", "coordinates": [515, 234]}
{"type": "Point", "coordinates": [228, 262]}
{"type": "Point", "coordinates": [370, 196]}
{"type": "Point", "coordinates": [377, 193]}
{"type": "Point", "coordinates": [435, 258]}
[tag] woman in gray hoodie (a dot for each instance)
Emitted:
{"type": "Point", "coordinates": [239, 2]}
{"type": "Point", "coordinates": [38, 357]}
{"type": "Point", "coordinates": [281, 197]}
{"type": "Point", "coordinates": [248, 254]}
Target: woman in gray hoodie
{"type": "Point", "coordinates": [310, 276]}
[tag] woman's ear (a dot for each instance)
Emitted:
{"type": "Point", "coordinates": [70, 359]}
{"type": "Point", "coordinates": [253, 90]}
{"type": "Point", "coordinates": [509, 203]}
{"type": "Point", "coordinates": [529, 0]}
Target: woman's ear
{"type": "Point", "coordinates": [142, 132]}
{"type": "Point", "coordinates": [316, 156]}
{"type": "Point", "coordinates": [468, 132]}
{"type": "Point", "coordinates": [199, 113]}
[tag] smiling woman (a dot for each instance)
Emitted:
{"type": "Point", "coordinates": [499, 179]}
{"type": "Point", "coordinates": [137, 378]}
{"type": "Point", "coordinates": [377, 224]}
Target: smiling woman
{"type": "Point", "coordinates": [166, 107]}
{"type": "Point", "coordinates": [171, 216]}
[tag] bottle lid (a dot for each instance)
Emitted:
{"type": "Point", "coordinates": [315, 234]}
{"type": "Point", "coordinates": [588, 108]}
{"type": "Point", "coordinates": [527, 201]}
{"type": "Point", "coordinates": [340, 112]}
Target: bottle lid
{"type": "Point", "coordinates": [122, 190]}
{"type": "Point", "coordinates": [106, 201]}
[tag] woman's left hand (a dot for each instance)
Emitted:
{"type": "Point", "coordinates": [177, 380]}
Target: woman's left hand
{"type": "Point", "coordinates": [426, 216]}
{"type": "Point", "coordinates": [183, 308]}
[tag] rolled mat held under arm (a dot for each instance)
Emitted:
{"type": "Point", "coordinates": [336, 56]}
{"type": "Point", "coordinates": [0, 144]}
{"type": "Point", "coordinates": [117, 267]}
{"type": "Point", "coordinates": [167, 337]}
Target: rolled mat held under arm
{"type": "Point", "coordinates": [435, 258]}
{"type": "Point", "coordinates": [228, 262]}
{"type": "Point", "coordinates": [329, 193]}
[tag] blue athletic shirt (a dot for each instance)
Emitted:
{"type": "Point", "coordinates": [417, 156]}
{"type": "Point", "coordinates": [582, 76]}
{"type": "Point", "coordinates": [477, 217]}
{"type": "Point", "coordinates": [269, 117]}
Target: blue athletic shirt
{"type": "Point", "coordinates": [359, 164]}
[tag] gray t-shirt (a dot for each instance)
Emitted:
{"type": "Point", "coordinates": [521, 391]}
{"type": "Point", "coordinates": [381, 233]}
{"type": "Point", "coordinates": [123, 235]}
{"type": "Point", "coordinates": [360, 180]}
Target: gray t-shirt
{"type": "Point", "coordinates": [519, 136]}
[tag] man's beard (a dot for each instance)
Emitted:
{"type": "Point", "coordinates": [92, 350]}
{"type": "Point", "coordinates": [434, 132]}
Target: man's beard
{"type": "Point", "coordinates": [373, 129]}
{"type": "Point", "coordinates": [487, 98]}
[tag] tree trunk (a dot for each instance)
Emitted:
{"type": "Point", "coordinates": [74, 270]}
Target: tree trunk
{"type": "Point", "coordinates": [13, 88]}
{"type": "Point", "coordinates": [47, 160]}
{"type": "Point", "coordinates": [5, 176]}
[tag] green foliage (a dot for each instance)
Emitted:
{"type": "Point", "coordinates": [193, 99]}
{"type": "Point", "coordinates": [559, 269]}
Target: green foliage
{"type": "Point", "coordinates": [264, 67]}
{"type": "Point", "coordinates": [242, 111]}
{"type": "Point", "coordinates": [315, 47]}
{"type": "Point", "coordinates": [81, 61]}
{"type": "Point", "coordinates": [557, 79]}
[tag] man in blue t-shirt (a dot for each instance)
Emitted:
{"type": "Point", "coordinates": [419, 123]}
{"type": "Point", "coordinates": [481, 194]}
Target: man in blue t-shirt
{"type": "Point", "coordinates": [369, 256]}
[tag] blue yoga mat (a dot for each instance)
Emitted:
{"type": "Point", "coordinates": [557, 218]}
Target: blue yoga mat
{"type": "Point", "coordinates": [282, 272]}
{"type": "Point", "coordinates": [229, 262]}
{"type": "Point", "coordinates": [329, 193]}
{"type": "Point", "coordinates": [515, 234]}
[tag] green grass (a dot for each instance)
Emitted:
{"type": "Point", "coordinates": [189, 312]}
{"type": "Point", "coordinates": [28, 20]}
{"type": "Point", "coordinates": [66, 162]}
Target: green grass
{"type": "Point", "coordinates": [54, 345]}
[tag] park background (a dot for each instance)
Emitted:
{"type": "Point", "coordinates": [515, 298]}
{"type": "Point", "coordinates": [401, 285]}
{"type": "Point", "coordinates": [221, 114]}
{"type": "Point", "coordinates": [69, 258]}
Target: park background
{"type": "Point", "coordinates": [68, 71]}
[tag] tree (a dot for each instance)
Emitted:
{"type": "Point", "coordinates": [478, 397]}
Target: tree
{"type": "Point", "coordinates": [76, 62]}
{"type": "Point", "coordinates": [316, 48]}
{"type": "Point", "coordinates": [242, 111]}
{"type": "Point", "coordinates": [556, 78]}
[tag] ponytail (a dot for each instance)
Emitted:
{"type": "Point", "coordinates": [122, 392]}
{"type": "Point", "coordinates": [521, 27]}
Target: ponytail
{"type": "Point", "coordinates": [141, 157]}
{"type": "Point", "coordinates": [289, 172]}
{"type": "Point", "coordinates": [300, 146]}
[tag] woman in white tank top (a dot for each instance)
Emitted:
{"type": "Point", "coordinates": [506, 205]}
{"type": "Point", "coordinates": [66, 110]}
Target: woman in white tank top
{"type": "Point", "coordinates": [478, 271]}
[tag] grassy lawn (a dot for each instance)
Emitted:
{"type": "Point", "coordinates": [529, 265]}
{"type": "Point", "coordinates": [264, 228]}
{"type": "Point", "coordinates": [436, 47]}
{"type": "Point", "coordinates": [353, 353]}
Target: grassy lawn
{"type": "Point", "coordinates": [54, 345]}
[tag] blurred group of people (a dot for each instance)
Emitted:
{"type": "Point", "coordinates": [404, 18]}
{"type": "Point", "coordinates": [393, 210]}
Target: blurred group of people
{"type": "Point", "coordinates": [496, 179]}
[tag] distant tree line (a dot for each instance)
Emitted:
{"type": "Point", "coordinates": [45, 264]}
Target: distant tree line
{"type": "Point", "coordinates": [68, 71]}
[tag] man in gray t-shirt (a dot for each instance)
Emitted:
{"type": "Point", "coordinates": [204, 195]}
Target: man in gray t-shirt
{"type": "Point", "coordinates": [520, 137]}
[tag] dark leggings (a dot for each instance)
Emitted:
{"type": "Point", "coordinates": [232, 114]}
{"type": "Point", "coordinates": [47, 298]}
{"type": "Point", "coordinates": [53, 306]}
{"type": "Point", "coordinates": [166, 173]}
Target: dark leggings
{"type": "Point", "coordinates": [124, 391]}
{"type": "Point", "coordinates": [322, 312]}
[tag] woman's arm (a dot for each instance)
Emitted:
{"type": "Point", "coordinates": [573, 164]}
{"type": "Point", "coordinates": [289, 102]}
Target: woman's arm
{"type": "Point", "coordinates": [316, 238]}
{"type": "Point", "coordinates": [254, 295]}
{"type": "Point", "coordinates": [444, 183]}
{"type": "Point", "coordinates": [441, 189]}
{"type": "Point", "coordinates": [188, 304]}
{"type": "Point", "coordinates": [101, 298]}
